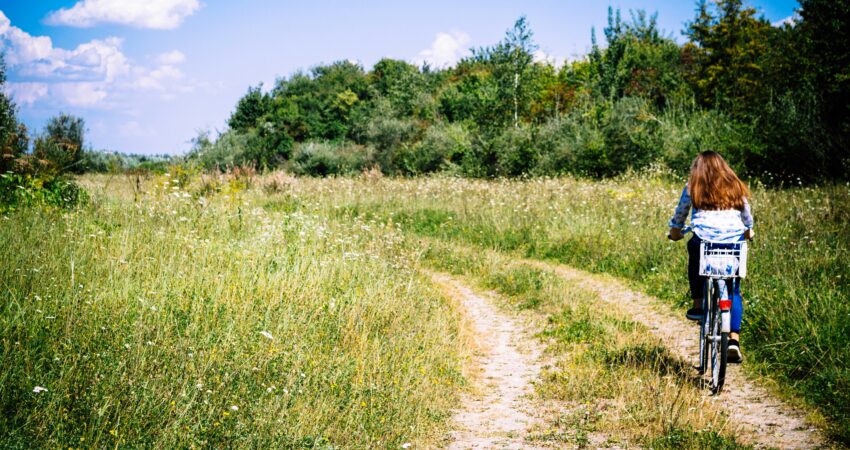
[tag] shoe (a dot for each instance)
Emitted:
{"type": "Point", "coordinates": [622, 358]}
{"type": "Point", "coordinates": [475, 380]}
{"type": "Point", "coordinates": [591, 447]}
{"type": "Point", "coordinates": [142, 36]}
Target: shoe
{"type": "Point", "coordinates": [695, 314]}
{"type": "Point", "coordinates": [733, 352]}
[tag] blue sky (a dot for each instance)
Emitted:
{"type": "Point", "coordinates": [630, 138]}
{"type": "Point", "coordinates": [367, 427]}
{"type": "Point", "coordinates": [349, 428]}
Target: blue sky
{"type": "Point", "coordinates": [147, 75]}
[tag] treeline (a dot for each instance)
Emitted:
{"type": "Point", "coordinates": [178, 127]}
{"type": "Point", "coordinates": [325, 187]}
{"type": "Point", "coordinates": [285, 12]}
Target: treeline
{"type": "Point", "coordinates": [773, 99]}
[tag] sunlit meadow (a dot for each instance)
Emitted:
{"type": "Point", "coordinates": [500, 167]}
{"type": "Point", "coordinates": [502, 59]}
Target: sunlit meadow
{"type": "Point", "coordinates": [159, 317]}
{"type": "Point", "coordinates": [238, 310]}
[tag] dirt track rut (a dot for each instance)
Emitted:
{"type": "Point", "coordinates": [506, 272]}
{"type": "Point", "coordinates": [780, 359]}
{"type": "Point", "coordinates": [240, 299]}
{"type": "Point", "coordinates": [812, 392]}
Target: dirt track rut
{"type": "Point", "coordinates": [499, 414]}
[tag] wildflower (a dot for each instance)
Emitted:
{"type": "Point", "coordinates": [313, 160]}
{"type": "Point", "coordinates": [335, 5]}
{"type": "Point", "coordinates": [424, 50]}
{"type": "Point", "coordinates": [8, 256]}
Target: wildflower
{"type": "Point", "coordinates": [267, 335]}
{"type": "Point", "coordinates": [39, 389]}
{"type": "Point", "coordinates": [406, 445]}
{"type": "Point", "coordinates": [234, 407]}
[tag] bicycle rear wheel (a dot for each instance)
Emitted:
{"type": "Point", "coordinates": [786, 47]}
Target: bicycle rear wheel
{"type": "Point", "coordinates": [718, 345]}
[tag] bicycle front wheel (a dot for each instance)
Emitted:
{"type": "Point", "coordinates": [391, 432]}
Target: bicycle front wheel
{"type": "Point", "coordinates": [718, 344]}
{"type": "Point", "coordinates": [704, 330]}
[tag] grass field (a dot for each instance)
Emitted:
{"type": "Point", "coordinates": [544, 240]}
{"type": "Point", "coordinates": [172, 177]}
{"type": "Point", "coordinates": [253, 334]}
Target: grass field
{"type": "Point", "coordinates": [186, 311]}
{"type": "Point", "coordinates": [175, 322]}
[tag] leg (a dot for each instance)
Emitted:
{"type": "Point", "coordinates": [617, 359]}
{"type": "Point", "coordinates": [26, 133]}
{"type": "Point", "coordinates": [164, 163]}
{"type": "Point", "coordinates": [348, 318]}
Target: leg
{"type": "Point", "coordinates": [734, 353]}
{"type": "Point", "coordinates": [696, 281]}
{"type": "Point", "coordinates": [737, 309]}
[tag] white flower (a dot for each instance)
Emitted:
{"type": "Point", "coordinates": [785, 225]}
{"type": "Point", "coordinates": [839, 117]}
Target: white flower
{"type": "Point", "coordinates": [39, 389]}
{"type": "Point", "coordinates": [267, 335]}
{"type": "Point", "coordinates": [235, 408]}
{"type": "Point", "coordinates": [406, 445]}
{"type": "Point", "coordinates": [270, 389]}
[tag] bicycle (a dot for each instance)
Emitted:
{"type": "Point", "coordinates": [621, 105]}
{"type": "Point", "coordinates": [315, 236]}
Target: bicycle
{"type": "Point", "coordinates": [723, 264]}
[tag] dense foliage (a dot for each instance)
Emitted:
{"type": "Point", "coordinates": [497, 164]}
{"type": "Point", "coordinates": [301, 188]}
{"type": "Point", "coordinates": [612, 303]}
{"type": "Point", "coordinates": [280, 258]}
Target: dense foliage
{"type": "Point", "coordinates": [773, 99]}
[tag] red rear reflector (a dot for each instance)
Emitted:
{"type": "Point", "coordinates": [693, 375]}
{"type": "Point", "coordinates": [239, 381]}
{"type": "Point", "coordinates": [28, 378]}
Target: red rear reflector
{"type": "Point", "coordinates": [725, 305]}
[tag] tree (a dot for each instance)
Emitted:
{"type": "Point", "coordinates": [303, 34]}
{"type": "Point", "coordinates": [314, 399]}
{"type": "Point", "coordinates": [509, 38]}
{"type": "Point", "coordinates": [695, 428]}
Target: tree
{"type": "Point", "coordinates": [62, 143]}
{"type": "Point", "coordinates": [510, 62]}
{"type": "Point", "coordinates": [13, 135]}
{"type": "Point", "coordinates": [825, 29]}
{"type": "Point", "coordinates": [638, 61]}
{"type": "Point", "coordinates": [724, 55]}
{"type": "Point", "coordinates": [249, 109]}
{"type": "Point", "coordinates": [319, 105]}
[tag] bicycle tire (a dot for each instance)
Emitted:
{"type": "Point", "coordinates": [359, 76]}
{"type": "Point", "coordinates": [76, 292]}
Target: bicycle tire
{"type": "Point", "coordinates": [704, 330]}
{"type": "Point", "coordinates": [719, 348]}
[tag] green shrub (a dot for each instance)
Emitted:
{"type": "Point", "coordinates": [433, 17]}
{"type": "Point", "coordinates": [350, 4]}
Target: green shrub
{"type": "Point", "coordinates": [685, 131]}
{"type": "Point", "coordinates": [443, 147]}
{"type": "Point", "coordinates": [326, 158]}
{"type": "Point", "coordinates": [571, 144]}
{"type": "Point", "coordinates": [19, 190]}
{"type": "Point", "coordinates": [516, 152]}
{"type": "Point", "coordinates": [631, 132]}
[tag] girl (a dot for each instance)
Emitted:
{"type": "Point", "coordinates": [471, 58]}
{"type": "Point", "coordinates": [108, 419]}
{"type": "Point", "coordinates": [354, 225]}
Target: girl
{"type": "Point", "coordinates": [721, 214]}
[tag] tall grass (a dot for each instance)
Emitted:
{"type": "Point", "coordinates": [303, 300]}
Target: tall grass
{"type": "Point", "coordinates": [179, 321]}
{"type": "Point", "coordinates": [797, 319]}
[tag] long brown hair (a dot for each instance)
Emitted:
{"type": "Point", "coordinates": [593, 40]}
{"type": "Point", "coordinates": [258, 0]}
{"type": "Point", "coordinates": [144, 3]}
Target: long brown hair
{"type": "Point", "coordinates": [713, 185]}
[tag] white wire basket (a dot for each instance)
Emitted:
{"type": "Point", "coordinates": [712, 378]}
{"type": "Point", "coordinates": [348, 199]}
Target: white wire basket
{"type": "Point", "coordinates": [723, 260]}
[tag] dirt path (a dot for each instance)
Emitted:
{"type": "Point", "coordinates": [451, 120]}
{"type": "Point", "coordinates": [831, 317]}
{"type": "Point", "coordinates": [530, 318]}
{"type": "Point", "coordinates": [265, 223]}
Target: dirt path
{"type": "Point", "coordinates": [758, 417]}
{"type": "Point", "coordinates": [507, 361]}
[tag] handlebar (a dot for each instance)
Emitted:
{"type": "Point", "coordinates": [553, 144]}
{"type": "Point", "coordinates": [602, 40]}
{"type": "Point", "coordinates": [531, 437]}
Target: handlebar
{"type": "Point", "coordinates": [688, 229]}
{"type": "Point", "coordinates": [685, 230]}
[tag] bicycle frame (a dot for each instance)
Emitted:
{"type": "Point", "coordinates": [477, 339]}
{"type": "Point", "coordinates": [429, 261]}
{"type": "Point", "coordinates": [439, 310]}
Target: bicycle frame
{"type": "Point", "coordinates": [722, 265]}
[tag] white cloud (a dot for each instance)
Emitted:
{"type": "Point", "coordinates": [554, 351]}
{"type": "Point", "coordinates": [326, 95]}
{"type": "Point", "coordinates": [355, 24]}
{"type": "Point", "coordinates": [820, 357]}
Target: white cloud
{"type": "Point", "coordinates": [24, 48]}
{"type": "Point", "coordinates": [157, 79]}
{"type": "Point", "coordinates": [540, 56]}
{"type": "Point", "coordinates": [791, 20]}
{"type": "Point", "coordinates": [159, 14]}
{"type": "Point", "coordinates": [79, 94]}
{"type": "Point", "coordinates": [4, 23]}
{"type": "Point", "coordinates": [445, 50]}
{"type": "Point", "coordinates": [26, 93]}
{"type": "Point", "coordinates": [90, 75]}
{"type": "Point", "coordinates": [171, 58]}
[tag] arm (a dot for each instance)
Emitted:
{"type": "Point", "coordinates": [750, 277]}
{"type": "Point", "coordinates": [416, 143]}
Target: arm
{"type": "Point", "coordinates": [747, 218]}
{"type": "Point", "coordinates": [677, 222]}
